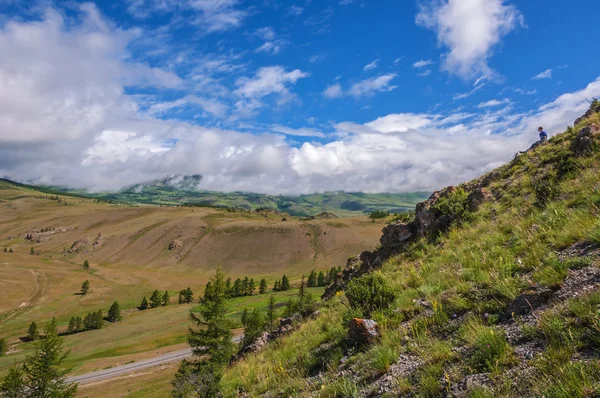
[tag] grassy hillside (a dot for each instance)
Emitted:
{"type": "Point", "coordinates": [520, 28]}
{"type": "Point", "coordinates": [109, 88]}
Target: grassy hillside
{"type": "Point", "coordinates": [135, 250]}
{"type": "Point", "coordinates": [451, 329]}
{"type": "Point", "coordinates": [343, 204]}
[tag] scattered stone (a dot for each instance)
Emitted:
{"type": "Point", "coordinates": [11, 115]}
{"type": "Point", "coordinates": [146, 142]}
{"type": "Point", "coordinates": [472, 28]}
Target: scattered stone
{"type": "Point", "coordinates": [362, 331]}
{"type": "Point", "coordinates": [175, 244]}
{"type": "Point", "coordinates": [584, 142]}
{"type": "Point", "coordinates": [284, 219]}
{"type": "Point", "coordinates": [528, 301]}
{"type": "Point", "coordinates": [477, 197]}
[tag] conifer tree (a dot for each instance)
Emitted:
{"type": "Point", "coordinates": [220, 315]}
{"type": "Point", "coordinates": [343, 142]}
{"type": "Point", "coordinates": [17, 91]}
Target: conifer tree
{"type": "Point", "coordinates": [43, 375]}
{"type": "Point", "coordinates": [321, 279]}
{"type": "Point", "coordinates": [78, 324]}
{"type": "Point", "coordinates": [244, 289]}
{"type": "Point", "coordinates": [263, 286]}
{"type": "Point", "coordinates": [228, 288]}
{"type": "Point", "coordinates": [211, 340]}
{"type": "Point", "coordinates": [302, 291]}
{"type": "Point", "coordinates": [31, 251]}
{"type": "Point", "coordinates": [271, 316]}
{"type": "Point", "coordinates": [237, 288]}
{"type": "Point", "coordinates": [3, 347]}
{"type": "Point", "coordinates": [10, 250]}
{"type": "Point", "coordinates": [253, 327]}
{"type": "Point", "coordinates": [285, 283]}
{"type": "Point", "coordinates": [72, 325]}
{"type": "Point", "coordinates": [32, 332]}
{"type": "Point", "coordinates": [85, 287]}
{"type": "Point", "coordinates": [312, 279]}
{"type": "Point", "coordinates": [277, 285]}
{"type": "Point", "coordinates": [244, 316]}
{"type": "Point", "coordinates": [5, 250]}
{"type": "Point", "coordinates": [144, 304]}
{"type": "Point", "coordinates": [165, 298]}
{"type": "Point", "coordinates": [251, 287]}
{"type": "Point", "coordinates": [181, 298]}
{"type": "Point", "coordinates": [86, 265]}
{"type": "Point", "coordinates": [114, 312]}
{"type": "Point", "coordinates": [155, 299]}
{"type": "Point", "coordinates": [189, 295]}
{"type": "Point", "coordinates": [13, 385]}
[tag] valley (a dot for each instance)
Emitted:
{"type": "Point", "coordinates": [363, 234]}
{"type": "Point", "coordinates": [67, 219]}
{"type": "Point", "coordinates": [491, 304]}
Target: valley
{"type": "Point", "coordinates": [135, 250]}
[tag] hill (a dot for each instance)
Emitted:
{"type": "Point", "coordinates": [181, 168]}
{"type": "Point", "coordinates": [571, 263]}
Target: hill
{"type": "Point", "coordinates": [179, 190]}
{"type": "Point", "coordinates": [491, 290]}
{"type": "Point", "coordinates": [134, 250]}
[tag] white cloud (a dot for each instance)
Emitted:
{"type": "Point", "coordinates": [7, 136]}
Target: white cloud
{"type": "Point", "coordinates": [301, 132]}
{"type": "Point", "coordinates": [422, 63]}
{"type": "Point", "coordinates": [371, 65]}
{"type": "Point", "coordinates": [63, 90]}
{"type": "Point", "coordinates": [397, 60]}
{"type": "Point", "coordinates": [492, 103]}
{"type": "Point", "coordinates": [547, 74]}
{"type": "Point", "coordinates": [373, 85]}
{"type": "Point", "coordinates": [268, 80]}
{"type": "Point", "coordinates": [271, 47]}
{"type": "Point", "coordinates": [333, 91]}
{"type": "Point", "coordinates": [467, 94]}
{"type": "Point", "coordinates": [295, 10]}
{"type": "Point", "coordinates": [208, 15]}
{"type": "Point", "coordinates": [470, 29]}
{"type": "Point", "coordinates": [424, 73]}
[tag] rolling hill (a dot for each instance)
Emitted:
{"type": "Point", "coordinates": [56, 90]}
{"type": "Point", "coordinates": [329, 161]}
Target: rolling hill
{"type": "Point", "coordinates": [179, 190]}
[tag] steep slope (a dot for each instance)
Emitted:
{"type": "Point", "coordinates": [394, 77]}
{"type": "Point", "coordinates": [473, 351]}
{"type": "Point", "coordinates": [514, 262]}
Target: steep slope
{"type": "Point", "coordinates": [496, 288]}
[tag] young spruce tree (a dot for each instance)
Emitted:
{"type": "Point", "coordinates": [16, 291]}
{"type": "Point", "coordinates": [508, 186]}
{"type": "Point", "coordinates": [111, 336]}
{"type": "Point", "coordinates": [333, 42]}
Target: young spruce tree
{"type": "Point", "coordinates": [211, 340]}
{"type": "Point", "coordinates": [43, 374]}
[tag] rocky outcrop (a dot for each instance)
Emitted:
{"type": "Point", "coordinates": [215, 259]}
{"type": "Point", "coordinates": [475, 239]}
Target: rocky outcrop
{"type": "Point", "coordinates": [176, 244]}
{"type": "Point", "coordinates": [362, 331]}
{"type": "Point", "coordinates": [286, 325]}
{"type": "Point", "coordinates": [79, 245]}
{"type": "Point", "coordinates": [44, 234]}
{"type": "Point", "coordinates": [429, 222]}
{"type": "Point", "coordinates": [98, 242]}
{"type": "Point", "coordinates": [594, 108]}
{"type": "Point", "coordinates": [584, 142]}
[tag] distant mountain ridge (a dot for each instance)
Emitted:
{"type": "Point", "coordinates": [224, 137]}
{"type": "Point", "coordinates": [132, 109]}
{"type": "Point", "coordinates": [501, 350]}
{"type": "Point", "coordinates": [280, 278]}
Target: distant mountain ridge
{"type": "Point", "coordinates": [180, 190]}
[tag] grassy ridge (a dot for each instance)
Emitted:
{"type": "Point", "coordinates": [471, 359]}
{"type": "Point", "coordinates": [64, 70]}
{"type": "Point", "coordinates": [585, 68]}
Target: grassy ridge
{"type": "Point", "coordinates": [544, 203]}
{"type": "Point", "coordinates": [344, 204]}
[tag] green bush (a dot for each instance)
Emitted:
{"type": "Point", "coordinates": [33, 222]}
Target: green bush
{"type": "Point", "coordinates": [454, 205]}
{"type": "Point", "coordinates": [369, 293]}
{"type": "Point", "coordinates": [379, 214]}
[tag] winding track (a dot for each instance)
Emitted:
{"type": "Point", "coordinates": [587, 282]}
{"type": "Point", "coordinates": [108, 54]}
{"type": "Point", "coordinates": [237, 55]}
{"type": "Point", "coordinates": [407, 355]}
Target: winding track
{"type": "Point", "coordinates": [117, 371]}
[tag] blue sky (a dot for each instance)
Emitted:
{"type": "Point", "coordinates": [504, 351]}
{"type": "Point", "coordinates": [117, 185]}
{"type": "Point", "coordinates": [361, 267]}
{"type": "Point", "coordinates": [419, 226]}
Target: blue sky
{"type": "Point", "coordinates": [286, 96]}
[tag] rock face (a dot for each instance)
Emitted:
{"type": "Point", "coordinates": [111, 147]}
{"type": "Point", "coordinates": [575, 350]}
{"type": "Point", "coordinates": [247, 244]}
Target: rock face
{"type": "Point", "coordinates": [584, 142]}
{"type": "Point", "coordinates": [44, 234]}
{"type": "Point", "coordinates": [528, 301]}
{"type": "Point", "coordinates": [429, 222]}
{"type": "Point", "coordinates": [79, 245]}
{"type": "Point", "coordinates": [362, 331]}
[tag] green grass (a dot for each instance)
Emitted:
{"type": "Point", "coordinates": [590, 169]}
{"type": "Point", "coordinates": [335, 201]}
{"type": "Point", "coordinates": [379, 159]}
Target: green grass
{"type": "Point", "coordinates": [546, 201]}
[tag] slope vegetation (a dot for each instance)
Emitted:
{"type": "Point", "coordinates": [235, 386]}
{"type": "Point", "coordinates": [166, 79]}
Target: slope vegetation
{"type": "Point", "coordinates": [496, 290]}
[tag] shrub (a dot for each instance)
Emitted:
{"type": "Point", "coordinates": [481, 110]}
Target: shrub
{"type": "Point", "coordinates": [377, 214]}
{"type": "Point", "coordinates": [454, 205]}
{"type": "Point", "coordinates": [369, 293]}
{"type": "Point", "coordinates": [546, 189]}
{"type": "Point", "coordinates": [3, 347]}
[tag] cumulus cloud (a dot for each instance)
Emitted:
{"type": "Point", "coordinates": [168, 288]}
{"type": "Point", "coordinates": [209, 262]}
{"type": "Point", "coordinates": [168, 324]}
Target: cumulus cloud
{"type": "Point", "coordinates": [68, 118]}
{"type": "Point", "coordinates": [547, 74]}
{"type": "Point", "coordinates": [470, 29]}
{"type": "Point", "coordinates": [333, 91]}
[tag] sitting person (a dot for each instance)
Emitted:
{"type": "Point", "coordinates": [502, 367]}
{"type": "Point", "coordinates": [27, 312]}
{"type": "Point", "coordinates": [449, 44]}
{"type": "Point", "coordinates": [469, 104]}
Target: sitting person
{"type": "Point", "coordinates": [543, 138]}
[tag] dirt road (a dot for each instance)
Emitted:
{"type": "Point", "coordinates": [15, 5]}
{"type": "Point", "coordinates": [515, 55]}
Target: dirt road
{"type": "Point", "coordinates": [107, 374]}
